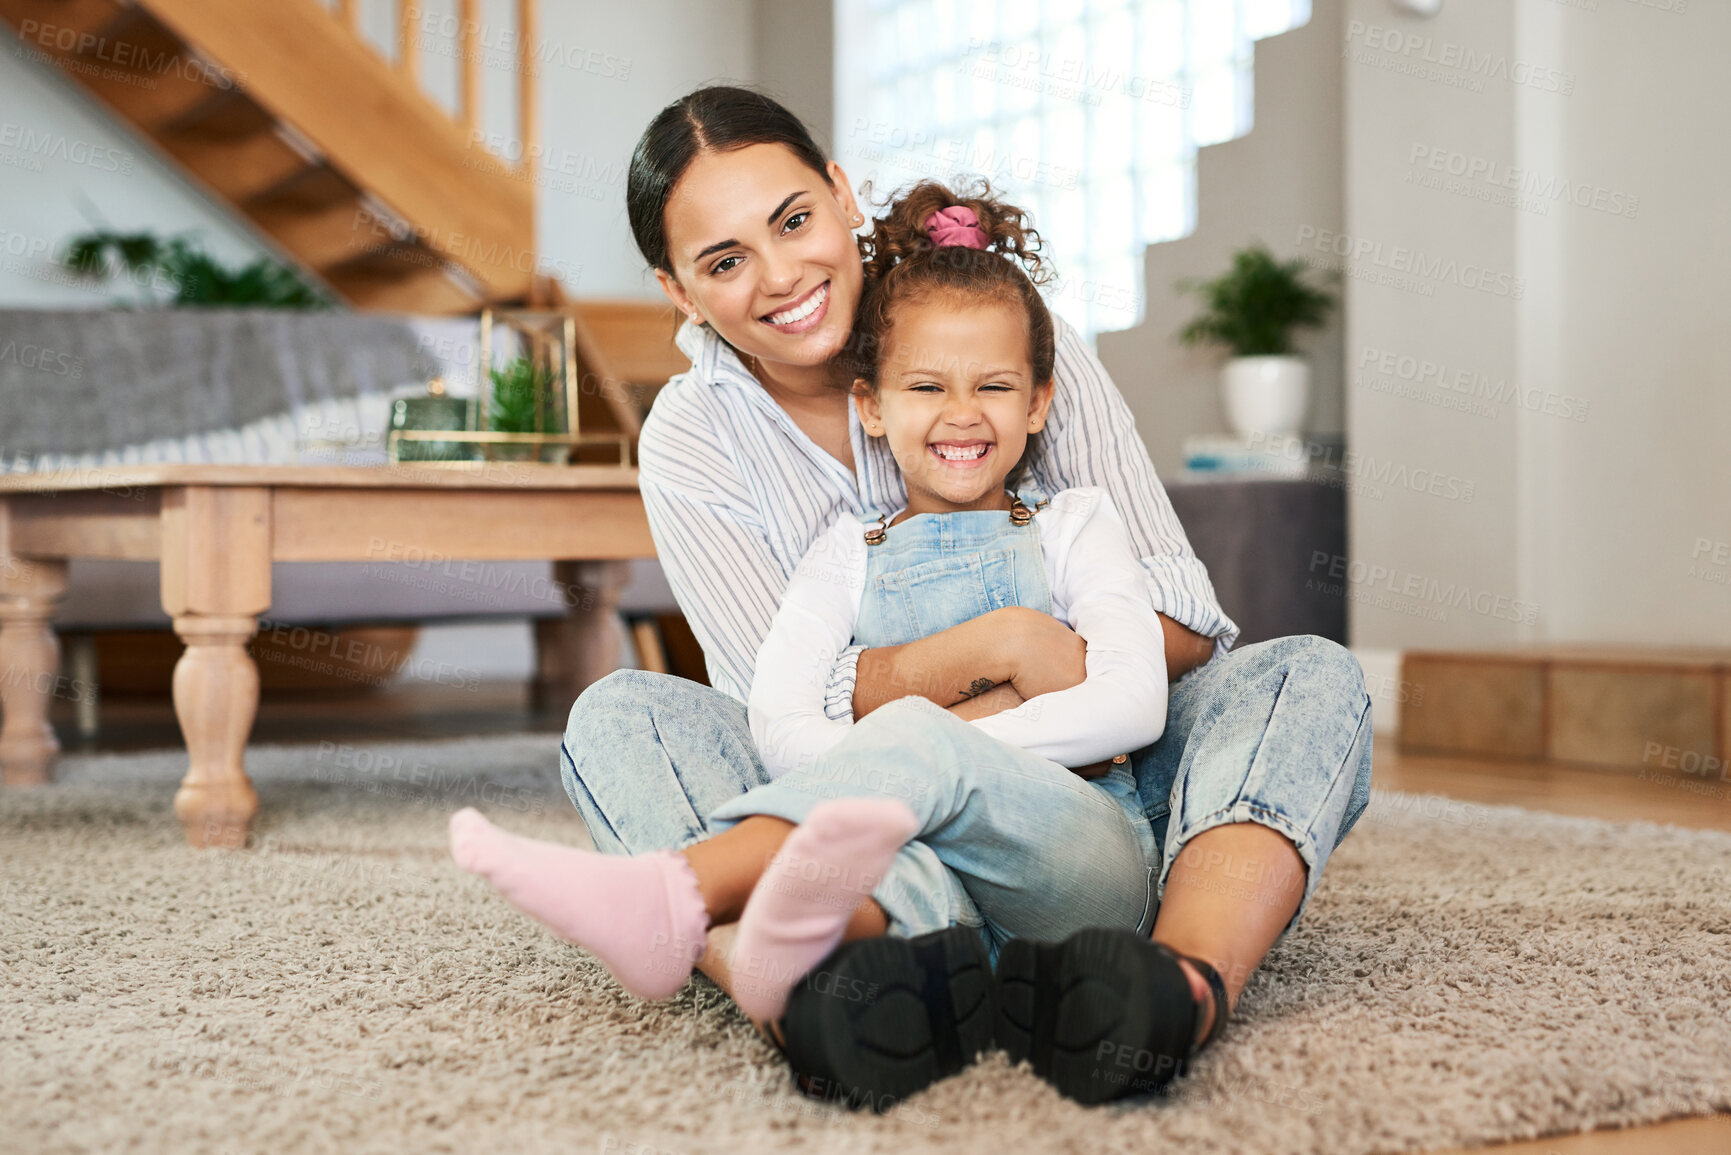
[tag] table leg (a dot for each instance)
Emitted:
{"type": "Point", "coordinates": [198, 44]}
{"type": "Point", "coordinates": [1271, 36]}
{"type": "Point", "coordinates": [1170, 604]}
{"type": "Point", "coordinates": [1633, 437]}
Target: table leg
{"type": "Point", "coordinates": [588, 643]}
{"type": "Point", "coordinates": [216, 546]}
{"type": "Point", "coordinates": [29, 666]}
{"type": "Point", "coordinates": [215, 699]}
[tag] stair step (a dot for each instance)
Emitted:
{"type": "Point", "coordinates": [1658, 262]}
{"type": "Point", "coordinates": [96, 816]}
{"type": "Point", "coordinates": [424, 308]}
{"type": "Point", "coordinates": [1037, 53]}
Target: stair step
{"type": "Point", "coordinates": [319, 236]}
{"type": "Point", "coordinates": [132, 25]}
{"type": "Point", "coordinates": [235, 147]}
{"type": "Point", "coordinates": [1640, 709]}
{"type": "Point", "coordinates": [149, 98]}
{"type": "Point", "coordinates": [239, 169]}
{"type": "Point", "coordinates": [312, 187]}
{"type": "Point", "coordinates": [424, 290]}
{"type": "Point", "coordinates": [229, 114]}
{"type": "Point", "coordinates": [392, 260]}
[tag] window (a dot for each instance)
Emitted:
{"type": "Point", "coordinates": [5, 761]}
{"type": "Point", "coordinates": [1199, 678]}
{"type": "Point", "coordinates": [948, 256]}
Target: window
{"type": "Point", "coordinates": [1088, 113]}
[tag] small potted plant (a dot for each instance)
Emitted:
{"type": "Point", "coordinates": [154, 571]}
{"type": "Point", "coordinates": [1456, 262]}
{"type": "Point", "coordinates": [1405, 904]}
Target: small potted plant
{"type": "Point", "coordinates": [523, 402]}
{"type": "Point", "coordinates": [1253, 310]}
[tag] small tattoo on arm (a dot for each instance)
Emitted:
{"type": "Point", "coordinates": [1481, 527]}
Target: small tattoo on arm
{"type": "Point", "coordinates": [977, 687]}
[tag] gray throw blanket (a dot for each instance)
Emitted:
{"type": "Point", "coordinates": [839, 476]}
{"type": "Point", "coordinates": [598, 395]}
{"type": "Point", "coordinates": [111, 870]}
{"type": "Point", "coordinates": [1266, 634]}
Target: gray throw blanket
{"type": "Point", "coordinates": [87, 381]}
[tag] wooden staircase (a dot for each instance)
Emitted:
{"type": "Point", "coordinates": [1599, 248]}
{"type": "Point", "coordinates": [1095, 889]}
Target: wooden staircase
{"type": "Point", "coordinates": [281, 109]}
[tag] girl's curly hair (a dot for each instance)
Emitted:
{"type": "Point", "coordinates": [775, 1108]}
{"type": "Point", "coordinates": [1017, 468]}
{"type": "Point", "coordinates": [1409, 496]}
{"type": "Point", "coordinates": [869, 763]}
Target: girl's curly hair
{"type": "Point", "coordinates": [902, 264]}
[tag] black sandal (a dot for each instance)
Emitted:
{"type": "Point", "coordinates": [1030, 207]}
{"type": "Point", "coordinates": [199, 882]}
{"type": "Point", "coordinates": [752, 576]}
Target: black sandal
{"type": "Point", "coordinates": [1103, 1014]}
{"type": "Point", "coordinates": [882, 1018]}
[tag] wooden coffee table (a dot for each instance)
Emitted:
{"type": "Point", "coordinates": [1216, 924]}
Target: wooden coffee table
{"type": "Point", "coordinates": [215, 530]}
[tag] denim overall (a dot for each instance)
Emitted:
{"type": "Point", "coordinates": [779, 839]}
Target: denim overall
{"type": "Point", "coordinates": [937, 570]}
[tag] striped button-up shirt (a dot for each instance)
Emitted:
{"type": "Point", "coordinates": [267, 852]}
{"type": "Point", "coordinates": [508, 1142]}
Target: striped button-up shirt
{"type": "Point", "coordinates": [736, 492]}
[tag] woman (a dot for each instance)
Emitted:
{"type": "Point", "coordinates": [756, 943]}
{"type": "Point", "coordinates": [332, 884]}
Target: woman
{"type": "Point", "coordinates": [1264, 763]}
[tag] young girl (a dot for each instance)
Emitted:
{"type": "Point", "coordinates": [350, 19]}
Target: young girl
{"type": "Point", "coordinates": [866, 827]}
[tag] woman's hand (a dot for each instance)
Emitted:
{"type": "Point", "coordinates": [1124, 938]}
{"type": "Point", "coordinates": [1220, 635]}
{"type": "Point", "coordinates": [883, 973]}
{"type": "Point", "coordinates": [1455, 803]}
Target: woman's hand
{"type": "Point", "coordinates": [993, 701]}
{"type": "Point", "coordinates": [1093, 769]}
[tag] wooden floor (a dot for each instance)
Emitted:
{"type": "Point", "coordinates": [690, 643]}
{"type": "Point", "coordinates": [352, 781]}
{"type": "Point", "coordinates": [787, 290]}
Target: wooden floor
{"type": "Point", "coordinates": [496, 708]}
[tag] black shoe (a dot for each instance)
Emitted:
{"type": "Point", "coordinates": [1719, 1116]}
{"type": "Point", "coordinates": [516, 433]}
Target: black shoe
{"type": "Point", "coordinates": [881, 1018]}
{"type": "Point", "coordinates": [1103, 1014]}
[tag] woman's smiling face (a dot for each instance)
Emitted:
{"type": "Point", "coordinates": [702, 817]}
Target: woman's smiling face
{"type": "Point", "coordinates": [762, 249]}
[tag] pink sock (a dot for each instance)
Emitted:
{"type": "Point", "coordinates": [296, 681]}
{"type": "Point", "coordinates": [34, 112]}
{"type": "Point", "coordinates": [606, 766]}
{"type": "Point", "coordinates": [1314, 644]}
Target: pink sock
{"type": "Point", "coordinates": [642, 915]}
{"type": "Point", "coordinates": [796, 914]}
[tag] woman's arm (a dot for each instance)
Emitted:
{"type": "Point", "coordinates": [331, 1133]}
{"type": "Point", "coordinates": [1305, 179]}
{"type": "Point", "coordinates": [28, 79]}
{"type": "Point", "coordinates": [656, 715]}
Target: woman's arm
{"type": "Point", "coordinates": [1185, 648]}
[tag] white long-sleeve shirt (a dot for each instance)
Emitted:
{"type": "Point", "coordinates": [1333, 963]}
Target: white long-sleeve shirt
{"type": "Point", "coordinates": [736, 493]}
{"type": "Point", "coordinates": [1099, 589]}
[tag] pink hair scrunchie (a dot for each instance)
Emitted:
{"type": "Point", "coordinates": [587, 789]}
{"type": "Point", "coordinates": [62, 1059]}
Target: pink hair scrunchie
{"type": "Point", "coordinates": [956, 225]}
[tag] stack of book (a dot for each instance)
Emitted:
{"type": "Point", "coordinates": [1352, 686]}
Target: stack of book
{"type": "Point", "coordinates": [1225, 454]}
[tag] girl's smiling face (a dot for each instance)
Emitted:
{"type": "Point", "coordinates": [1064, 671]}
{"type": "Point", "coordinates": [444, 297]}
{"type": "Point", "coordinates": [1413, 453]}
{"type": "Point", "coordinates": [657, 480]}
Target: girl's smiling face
{"type": "Point", "coordinates": [956, 397]}
{"type": "Point", "coordinates": [762, 249]}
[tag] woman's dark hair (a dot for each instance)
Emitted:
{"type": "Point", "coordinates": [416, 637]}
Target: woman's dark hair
{"type": "Point", "coordinates": [719, 118]}
{"type": "Point", "coordinates": [902, 265]}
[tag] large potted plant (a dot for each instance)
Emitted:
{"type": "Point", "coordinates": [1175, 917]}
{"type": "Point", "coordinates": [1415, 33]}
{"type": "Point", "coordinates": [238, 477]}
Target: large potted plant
{"type": "Point", "coordinates": [1253, 309]}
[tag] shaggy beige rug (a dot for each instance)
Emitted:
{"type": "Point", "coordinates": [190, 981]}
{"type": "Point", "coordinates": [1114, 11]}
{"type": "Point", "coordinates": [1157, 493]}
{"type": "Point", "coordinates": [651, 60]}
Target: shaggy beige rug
{"type": "Point", "coordinates": [1466, 974]}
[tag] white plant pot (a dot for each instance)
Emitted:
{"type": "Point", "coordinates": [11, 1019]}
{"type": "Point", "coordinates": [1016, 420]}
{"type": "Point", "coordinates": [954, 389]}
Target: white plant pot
{"type": "Point", "coordinates": [1265, 395]}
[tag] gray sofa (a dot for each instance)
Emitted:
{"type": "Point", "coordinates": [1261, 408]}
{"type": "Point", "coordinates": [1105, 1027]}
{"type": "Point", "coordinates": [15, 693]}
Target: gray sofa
{"type": "Point", "coordinates": [251, 386]}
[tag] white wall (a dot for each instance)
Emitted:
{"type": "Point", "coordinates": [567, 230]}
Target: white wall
{"type": "Point", "coordinates": [1397, 534]}
{"type": "Point", "coordinates": [672, 46]}
{"type": "Point", "coordinates": [1590, 494]}
{"type": "Point", "coordinates": [796, 60]}
{"type": "Point", "coordinates": [1633, 312]}
{"type": "Point", "coordinates": [608, 68]}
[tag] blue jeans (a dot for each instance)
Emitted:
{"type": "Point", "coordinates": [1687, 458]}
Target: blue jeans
{"type": "Point", "coordinates": [1277, 733]}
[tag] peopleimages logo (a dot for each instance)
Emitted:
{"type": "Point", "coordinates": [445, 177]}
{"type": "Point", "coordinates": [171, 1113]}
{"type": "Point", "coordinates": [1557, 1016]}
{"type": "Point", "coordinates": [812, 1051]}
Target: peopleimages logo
{"type": "Point", "coordinates": [1473, 386]}
{"type": "Point", "coordinates": [917, 151]}
{"type": "Point", "coordinates": [1388, 587]}
{"type": "Point", "coordinates": [1531, 182]}
{"type": "Point", "coordinates": [41, 358]}
{"type": "Point", "coordinates": [1477, 64]}
{"type": "Point", "coordinates": [1358, 251]}
{"type": "Point", "coordinates": [126, 57]}
{"type": "Point", "coordinates": [59, 146]}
